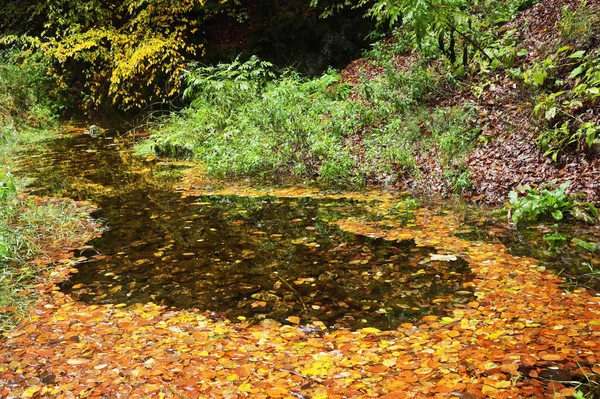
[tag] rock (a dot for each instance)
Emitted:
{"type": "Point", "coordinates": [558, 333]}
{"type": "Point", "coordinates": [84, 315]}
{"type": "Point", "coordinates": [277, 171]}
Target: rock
{"type": "Point", "coordinates": [265, 296]}
{"type": "Point", "coordinates": [95, 131]}
{"type": "Point", "coordinates": [270, 323]}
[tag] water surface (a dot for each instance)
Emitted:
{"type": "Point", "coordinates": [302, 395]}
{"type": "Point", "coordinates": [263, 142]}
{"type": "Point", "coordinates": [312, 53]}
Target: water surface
{"type": "Point", "coordinates": [238, 257]}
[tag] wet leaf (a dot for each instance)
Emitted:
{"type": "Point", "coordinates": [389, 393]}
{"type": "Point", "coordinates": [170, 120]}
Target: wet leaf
{"type": "Point", "coordinates": [508, 317]}
{"type": "Point", "coordinates": [443, 258]}
{"type": "Point", "coordinates": [77, 362]}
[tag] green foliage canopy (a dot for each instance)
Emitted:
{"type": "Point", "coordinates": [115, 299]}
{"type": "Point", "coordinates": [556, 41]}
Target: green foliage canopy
{"type": "Point", "coordinates": [460, 29]}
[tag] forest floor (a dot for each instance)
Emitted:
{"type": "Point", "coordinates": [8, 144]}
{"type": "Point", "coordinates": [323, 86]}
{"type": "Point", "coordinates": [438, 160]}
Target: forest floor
{"type": "Point", "coordinates": [521, 336]}
{"type": "Point", "coordinates": [509, 156]}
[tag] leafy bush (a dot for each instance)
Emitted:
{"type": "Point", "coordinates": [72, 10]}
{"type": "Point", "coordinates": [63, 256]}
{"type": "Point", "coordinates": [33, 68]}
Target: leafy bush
{"type": "Point", "coordinates": [247, 119]}
{"type": "Point", "coordinates": [568, 86]}
{"type": "Point", "coordinates": [239, 125]}
{"type": "Point", "coordinates": [457, 30]}
{"type": "Point", "coordinates": [128, 53]}
{"type": "Point", "coordinates": [528, 205]}
{"type": "Point", "coordinates": [579, 27]}
{"type": "Point", "coordinates": [26, 111]}
{"type": "Point", "coordinates": [25, 91]}
{"type": "Point", "coordinates": [7, 186]}
{"type": "Point", "coordinates": [579, 91]}
{"type": "Point", "coordinates": [230, 82]}
{"type": "Point", "coordinates": [26, 226]}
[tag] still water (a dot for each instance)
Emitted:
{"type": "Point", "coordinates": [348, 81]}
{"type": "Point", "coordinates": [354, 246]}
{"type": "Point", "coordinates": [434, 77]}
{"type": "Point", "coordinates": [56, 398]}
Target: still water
{"type": "Point", "coordinates": [238, 256]}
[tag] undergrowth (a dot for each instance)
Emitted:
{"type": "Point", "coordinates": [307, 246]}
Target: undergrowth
{"type": "Point", "coordinates": [27, 226]}
{"type": "Point", "coordinates": [529, 204]}
{"type": "Point", "coordinates": [283, 125]}
{"type": "Point", "coordinates": [247, 119]}
{"type": "Point", "coordinates": [567, 87]}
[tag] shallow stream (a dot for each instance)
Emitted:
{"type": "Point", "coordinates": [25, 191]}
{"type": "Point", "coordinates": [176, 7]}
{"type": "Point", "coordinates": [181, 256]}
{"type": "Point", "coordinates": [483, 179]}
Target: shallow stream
{"type": "Point", "coordinates": [243, 257]}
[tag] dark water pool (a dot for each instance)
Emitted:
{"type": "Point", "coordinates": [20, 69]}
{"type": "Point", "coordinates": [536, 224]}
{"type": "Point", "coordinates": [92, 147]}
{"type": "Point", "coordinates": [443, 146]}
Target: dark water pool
{"type": "Point", "coordinates": [237, 256]}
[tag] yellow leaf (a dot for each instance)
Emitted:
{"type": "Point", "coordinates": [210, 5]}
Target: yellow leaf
{"type": "Point", "coordinates": [496, 334]}
{"type": "Point", "coordinates": [370, 330]}
{"type": "Point", "coordinates": [489, 391]}
{"type": "Point", "coordinates": [321, 366]}
{"type": "Point", "coordinates": [502, 384]}
{"type": "Point", "coordinates": [30, 391]}
{"type": "Point", "coordinates": [220, 330]}
{"type": "Point", "coordinates": [76, 362]}
{"type": "Point", "coordinates": [389, 362]}
{"type": "Point", "coordinates": [245, 387]}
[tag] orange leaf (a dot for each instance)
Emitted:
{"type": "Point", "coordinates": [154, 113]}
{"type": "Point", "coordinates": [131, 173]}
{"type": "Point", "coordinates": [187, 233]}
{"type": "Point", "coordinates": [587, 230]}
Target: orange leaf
{"type": "Point", "coordinates": [552, 357]}
{"type": "Point", "coordinates": [528, 361]}
{"type": "Point", "coordinates": [275, 392]}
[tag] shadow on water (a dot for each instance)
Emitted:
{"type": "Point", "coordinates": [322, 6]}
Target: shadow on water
{"type": "Point", "coordinates": [237, 256]}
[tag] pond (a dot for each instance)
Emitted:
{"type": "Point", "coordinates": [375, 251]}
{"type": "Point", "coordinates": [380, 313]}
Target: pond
{"type": "Point", "coordinates": [248, 257]}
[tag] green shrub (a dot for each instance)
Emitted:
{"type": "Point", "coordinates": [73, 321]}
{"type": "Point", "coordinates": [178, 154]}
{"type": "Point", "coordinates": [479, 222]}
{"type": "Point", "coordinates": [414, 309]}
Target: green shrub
{"type": "Point", "coordinates": [7, 186]}
{"type": "Point", "coordinates": [567, 83]}
{"type": "Point", "coordinates": [26, 112]}
{"type": "Point", "coordinates": [242, 125]}
{"type": "Point", "coordinates": [579, 27]}
{"type": "Point", "coordinates": [528, 205]}
{"type": "Point", "coordinates": [25, 90]}
{"type": "Point", "coordinates": [559, 109]}
{"type": "Point", "coordinates": [26, 226]}
{"type": "Point", "coordinates": [282, 125]}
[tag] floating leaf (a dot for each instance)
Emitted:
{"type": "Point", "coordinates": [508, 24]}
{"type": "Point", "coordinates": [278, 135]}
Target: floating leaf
{"type": "Point", "coordinates": [443, 258]}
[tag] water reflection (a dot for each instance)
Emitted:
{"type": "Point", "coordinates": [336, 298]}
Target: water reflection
{"type": "Point", "coordinates": [238, 256]}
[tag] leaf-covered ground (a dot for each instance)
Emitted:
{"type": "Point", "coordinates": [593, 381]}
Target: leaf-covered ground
{"type": "Point", "coordinates": [521, 335]}
{"type": "Point", "coordinates": [508, 156]}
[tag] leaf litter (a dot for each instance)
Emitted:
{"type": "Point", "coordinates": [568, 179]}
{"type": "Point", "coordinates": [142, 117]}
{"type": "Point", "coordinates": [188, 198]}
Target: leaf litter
{"type": "Point", "coordinates": [518, 337]}
{"type": "Point", "coordinates": [519, 332]}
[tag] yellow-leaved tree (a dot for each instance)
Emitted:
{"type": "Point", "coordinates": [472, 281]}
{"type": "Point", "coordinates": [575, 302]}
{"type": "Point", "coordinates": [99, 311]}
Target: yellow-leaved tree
{"type": "Point", "coordinates": [128, 53]}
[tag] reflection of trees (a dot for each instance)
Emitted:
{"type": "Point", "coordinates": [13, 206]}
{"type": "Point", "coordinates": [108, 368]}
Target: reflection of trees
{"type": "Point", "coordinates": [264, 257]}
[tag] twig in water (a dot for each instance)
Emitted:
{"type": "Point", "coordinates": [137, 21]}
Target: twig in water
{"type": "Point", "coordinates": [294, 291]}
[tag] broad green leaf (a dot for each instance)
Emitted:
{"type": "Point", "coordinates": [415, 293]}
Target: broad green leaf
{"type": "Point", "coordinates": [539, 76]}
{"type": "Point", "coordinates": [576, 72]}
{"type": "Point", "coordinates": [578, 54]}
{"type": "Point", "coordinates": [588, 246]}
{"type": "Point", "coordinates": [593, 90]}
{"type": "Point", "coordinates": [556, 236]}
